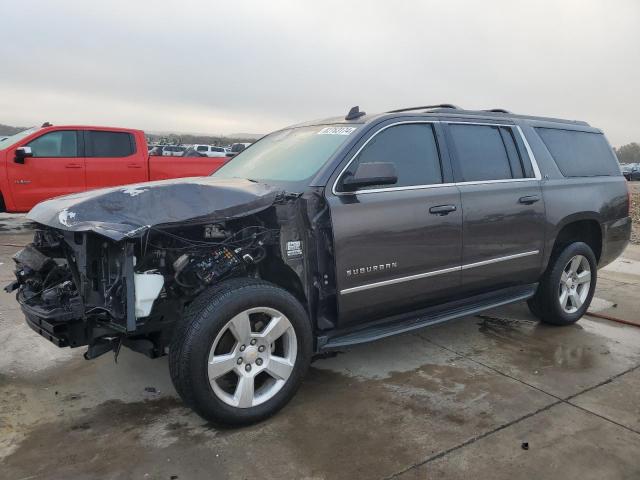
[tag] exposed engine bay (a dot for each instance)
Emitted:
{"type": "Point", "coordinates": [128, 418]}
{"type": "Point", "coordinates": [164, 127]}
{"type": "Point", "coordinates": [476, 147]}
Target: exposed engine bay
{"type": "Point", "coordinates": [81, 288]}
{"type": "Point", "coordinates": [65, 276]}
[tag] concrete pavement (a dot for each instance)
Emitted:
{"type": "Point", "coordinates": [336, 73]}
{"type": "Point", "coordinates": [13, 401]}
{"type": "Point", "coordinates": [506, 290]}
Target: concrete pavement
{"type": "Point", "coordinates": [458, 400]}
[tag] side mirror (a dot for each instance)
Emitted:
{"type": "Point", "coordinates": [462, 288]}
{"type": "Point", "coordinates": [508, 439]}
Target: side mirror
{"type": "Point", "coordinates": [22, 153]}
{"type": "Point", "coordinates": [369, 174]}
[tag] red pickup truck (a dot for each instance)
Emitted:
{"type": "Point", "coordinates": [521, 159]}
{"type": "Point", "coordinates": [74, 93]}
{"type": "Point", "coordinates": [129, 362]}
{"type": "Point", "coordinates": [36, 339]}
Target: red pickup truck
{"type": "Point", "coordinates": [45, 162]}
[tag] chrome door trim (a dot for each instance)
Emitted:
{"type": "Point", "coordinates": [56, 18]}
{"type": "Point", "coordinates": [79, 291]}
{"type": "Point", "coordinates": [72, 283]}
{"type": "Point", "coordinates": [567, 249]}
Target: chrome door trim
{"type": "Point", "coordinates": [383, 283]}
{"type": "Point", "coordinates": [434, 273]}
{"type": "Point", "coordinates": [499, 259]}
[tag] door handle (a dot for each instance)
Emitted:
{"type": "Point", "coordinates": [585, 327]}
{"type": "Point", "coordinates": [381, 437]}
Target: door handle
{"type": "Point", "coordinates": [73, 165]}
{"type": "Point", "coordinates": [529, 199]}
{"type": "Point", "coordinates": [442, 209]}
{"type": "Point", "coordinates": [134, 165]}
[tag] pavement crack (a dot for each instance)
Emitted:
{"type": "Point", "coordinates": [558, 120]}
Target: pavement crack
{"type": "Point", "coordinates": [474, 439]}
{"type": "Point", "coordinates": [558, 401]}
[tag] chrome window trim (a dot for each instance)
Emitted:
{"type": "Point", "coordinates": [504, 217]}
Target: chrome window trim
{"type": "Point", "coordinates": [434, 273]}
{"type": "Point", "coordinates": [389, 189]}
{"type": "Point", "coordinates": [534, 163]}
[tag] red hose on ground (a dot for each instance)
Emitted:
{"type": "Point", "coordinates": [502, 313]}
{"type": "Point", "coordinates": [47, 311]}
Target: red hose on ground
{"type": "Point", "coordinates": [613, 319]}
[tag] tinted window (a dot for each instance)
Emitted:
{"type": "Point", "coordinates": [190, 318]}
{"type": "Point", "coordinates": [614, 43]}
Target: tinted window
{"type": "Point", "coordinates": [480, 153]}
{"type": "Point", "coordinates": [412, 148]}
{"type": "Point", "coordinates": [202, 148]}
{"type": "Point", "coordinates": [515, 160]}
{"type": "Point", "coordinates": [110, 144]}
{"type": "Point", "coordinates": [579, 154]}
{"type": "Point", "coordinates": [55, 144]}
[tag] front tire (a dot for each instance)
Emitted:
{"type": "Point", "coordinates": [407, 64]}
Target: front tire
{"type": "Point", "coordinates": [567, 287]}
{"type": "Point", "coordinates": [241, 351]}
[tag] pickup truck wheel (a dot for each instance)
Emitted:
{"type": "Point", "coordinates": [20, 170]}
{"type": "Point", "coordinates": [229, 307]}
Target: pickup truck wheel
{"type": "Point", "coordinates": [241, 351]}
{"type": "Point", "coordinates": [567, 287]}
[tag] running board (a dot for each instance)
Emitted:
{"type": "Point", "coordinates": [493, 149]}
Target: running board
{"type": "Point", "coordinates": [424, 318]}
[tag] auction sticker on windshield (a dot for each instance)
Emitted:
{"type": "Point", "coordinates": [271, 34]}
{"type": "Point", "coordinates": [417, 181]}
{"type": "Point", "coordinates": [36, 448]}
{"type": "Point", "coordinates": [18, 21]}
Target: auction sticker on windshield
{"type": "Point", "coordinates": [336, 131]}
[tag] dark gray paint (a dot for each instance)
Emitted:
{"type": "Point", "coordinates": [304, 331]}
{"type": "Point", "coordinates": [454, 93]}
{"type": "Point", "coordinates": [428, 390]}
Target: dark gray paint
{"type": "Point", "coordinates": [371, 227]}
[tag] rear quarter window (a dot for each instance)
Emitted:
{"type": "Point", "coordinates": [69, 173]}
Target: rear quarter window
{"type": "Point", "coordinates": [579, 154]}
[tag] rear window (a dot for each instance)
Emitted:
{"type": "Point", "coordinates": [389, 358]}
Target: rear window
{"type": "Point", "coordinates": [110, 144]}
{"type": "Point", "coordinates": [485, 153]}
{"type": "Point", "coordinates": [579, 154]}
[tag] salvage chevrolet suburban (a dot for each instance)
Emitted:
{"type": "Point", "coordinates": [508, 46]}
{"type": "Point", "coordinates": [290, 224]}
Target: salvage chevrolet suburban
{"type": "Point", "coordinates": [325, 235]}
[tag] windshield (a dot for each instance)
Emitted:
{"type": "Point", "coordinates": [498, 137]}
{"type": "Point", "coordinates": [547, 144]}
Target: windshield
{"type": "Point", "coordinates": [7, 142]}
{"type": "Point", "coordinates": [289, 156]}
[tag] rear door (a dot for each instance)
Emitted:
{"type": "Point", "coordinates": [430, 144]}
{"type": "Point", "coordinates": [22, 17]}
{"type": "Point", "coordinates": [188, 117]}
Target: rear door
{"type": "Point", "coordinates": [56, 168]}
{"type": "Point", "coordinates": [397, 247]}
{"type": "Point", "coordinates": [502, 204]}
{"type": "Point", "coordinates": [112, 159]}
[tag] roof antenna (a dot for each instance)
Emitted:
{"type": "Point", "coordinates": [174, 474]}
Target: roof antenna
{"type": "Point", "coordinates": [355, 113]}
{"type": "Point", "coordinates": [46, 124]}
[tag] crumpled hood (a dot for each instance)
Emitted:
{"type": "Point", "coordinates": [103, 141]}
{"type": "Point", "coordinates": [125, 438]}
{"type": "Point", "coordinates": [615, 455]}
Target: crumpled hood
{"type": "Point", "coordinates": [129, 211]}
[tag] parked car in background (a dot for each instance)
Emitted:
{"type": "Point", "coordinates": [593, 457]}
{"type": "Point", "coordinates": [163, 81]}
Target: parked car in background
{"type": "Point", "coordinates": [323, 236]}
{"type": "Point", "coordinates": [631, 171]}
{"type": "Point", "coordinates": [238, 147]}
{"type": "Point", "coordinates": [173, 150]}
{"type": "Point", "coordinates": [192, 152]}
{"type": "Point", "coordinates": [211, 150]}
{"type": "Point", "coordinates": [45, 162]}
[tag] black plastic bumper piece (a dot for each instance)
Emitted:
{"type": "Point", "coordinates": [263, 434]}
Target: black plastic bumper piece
{"type": "Point", "coordinates": [62, 327]}
{"type": "Point", "coordinates": [56, 334]}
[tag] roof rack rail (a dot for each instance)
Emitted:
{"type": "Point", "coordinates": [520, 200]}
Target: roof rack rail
{"type": "Point", "coordinates": [426, 107]}
{"type": "Point", "coordinates": [497, 110]}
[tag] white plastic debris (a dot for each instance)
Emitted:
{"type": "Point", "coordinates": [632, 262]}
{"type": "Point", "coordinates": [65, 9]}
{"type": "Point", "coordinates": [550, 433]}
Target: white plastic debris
{"type": "Point", "coordinates": [147, 288]}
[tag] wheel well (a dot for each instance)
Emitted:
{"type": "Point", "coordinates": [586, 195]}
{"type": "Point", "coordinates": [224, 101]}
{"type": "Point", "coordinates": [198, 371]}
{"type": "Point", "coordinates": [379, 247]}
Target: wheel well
{"type": "Point", "coordinates": [282, 275]}
{"type": "Point", "coordinates": [3, 206]}
{"type": "Point", "coordinates": [587, 231]}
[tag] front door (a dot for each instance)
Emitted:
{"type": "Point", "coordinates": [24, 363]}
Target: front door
{"type": "Point", "coordinates": [502, 204]}
{"type": "Point", "coordinates": [397, 247]}
{"type": "Point", "coordinates": [56, 168]}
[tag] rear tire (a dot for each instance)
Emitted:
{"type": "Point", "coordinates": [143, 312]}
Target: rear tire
{"type": "Point", "coordinates": [241, 351]}
{"type": "Point", "coordinates": [567, 287]}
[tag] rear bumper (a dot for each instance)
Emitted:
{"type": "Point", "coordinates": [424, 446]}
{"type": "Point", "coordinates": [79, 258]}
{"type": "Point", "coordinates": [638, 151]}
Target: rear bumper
{"type": "Point", "coordinates": [616, 236]}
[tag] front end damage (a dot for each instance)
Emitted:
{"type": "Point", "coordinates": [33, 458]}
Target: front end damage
{"type": "Point", "coordinates": [90, 278]}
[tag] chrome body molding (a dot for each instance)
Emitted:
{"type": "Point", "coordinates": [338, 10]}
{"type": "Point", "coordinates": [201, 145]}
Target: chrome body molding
{"type": "Point", "coordinates": [434, 273]}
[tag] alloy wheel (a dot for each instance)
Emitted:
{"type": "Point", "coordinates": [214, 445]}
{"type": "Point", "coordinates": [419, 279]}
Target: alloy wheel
{"type": "Point", "coordinates": [252, 357]}
{"type": "Point", "coordinates": [575, 283]}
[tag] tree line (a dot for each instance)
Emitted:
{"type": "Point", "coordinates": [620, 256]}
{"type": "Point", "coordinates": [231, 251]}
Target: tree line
{"type": "Point", "coordinates": [629, 153]}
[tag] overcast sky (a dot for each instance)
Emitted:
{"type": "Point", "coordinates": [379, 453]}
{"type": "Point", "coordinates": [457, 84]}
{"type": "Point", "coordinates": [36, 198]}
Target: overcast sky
{"type": "Point", "coordinates": [255, 66]}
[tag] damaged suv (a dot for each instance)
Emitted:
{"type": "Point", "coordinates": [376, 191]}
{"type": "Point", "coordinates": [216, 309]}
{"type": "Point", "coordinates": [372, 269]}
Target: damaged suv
{"type": "Point", "coordinates": [325, 235]}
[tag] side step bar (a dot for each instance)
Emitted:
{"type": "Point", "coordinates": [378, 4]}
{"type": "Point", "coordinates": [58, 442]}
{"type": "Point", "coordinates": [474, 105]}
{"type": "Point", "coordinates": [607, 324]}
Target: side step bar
{"type": "Point", "coordinates": [424, 318]}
